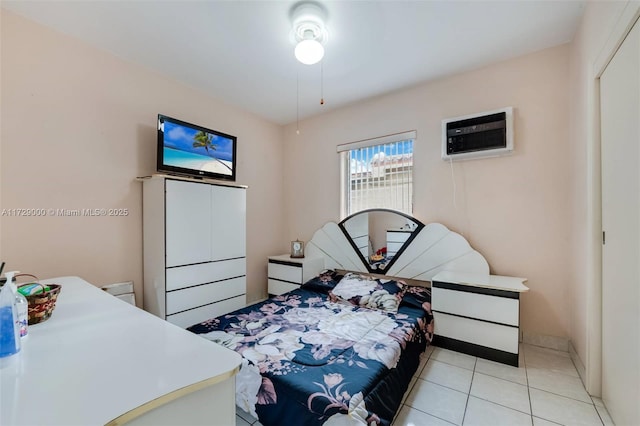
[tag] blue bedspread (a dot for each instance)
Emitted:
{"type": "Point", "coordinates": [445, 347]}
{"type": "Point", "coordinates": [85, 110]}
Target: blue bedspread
{"type": "Point", "coordinates": [308, 360]}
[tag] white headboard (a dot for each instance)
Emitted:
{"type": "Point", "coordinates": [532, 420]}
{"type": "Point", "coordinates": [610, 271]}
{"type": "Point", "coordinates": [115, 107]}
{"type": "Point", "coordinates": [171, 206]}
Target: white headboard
{"type": "Point", "coordinates": [433, 249]}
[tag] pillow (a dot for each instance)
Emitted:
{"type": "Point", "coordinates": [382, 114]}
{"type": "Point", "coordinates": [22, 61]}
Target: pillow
{"type": "Point", "coordinates": [367, 292]}
{"type": "Point", "coordinates": [324, 282]}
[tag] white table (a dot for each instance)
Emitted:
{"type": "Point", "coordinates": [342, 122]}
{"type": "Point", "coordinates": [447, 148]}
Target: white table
{"type": "Point", "coordinates": [99, 360]}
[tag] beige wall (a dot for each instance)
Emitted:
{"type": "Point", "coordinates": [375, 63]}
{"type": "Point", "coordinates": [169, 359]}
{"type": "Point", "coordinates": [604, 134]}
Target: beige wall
{"type": "Point", "coordinates": [594, 42]}
{"type": "Point", "coordinates": [78, 125]}
{"type": "Point", "coordinates": [514, 210]}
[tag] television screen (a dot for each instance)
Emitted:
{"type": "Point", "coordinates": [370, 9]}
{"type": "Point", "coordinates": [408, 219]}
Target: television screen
{"type": "Point", "coordinates": [191, 150]}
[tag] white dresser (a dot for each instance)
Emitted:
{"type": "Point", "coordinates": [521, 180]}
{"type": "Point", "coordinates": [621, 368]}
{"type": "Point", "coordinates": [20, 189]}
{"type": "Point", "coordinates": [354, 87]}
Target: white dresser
{"type": "Point", "coordinates": [478, 314]}
{"type": "Point", "coordinates": [286, 273]}
{"type": "Point", "coordinates": [101, 361]}
{"type": "Point", "coordinates": [194, 249]}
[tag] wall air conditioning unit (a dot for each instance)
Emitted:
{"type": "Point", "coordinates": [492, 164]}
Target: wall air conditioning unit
{"type": "Point", "coordinates": [486, 134]}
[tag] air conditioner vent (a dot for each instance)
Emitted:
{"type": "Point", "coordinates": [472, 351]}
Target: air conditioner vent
{"type": "Point", "coordinates": [487, 134]}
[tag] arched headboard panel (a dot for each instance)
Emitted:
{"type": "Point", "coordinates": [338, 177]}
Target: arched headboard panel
{"type": "Point", "coordinates": [436, 249]}
{"type": "Point", "coordinates": [433, 249]}
{"type": "Point", "coordinates": [331, 243]}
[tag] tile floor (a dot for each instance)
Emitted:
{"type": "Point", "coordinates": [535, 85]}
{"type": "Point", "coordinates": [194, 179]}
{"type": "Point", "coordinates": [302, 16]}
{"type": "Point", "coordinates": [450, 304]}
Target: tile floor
{"type": "Point", "coordinates": [454, 388]}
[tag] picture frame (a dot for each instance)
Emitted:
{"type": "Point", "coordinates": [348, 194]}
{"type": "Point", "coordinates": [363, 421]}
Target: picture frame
{"type": "Point", "coordinates": [297, 249]}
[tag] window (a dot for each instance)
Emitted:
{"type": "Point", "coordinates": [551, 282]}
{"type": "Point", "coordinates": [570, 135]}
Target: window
{"type": "Point", "coordinates": [378, 173]}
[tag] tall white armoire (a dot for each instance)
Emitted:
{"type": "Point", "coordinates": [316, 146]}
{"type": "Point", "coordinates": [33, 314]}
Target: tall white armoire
{"type": "Point", "coordinates": [194, 249]}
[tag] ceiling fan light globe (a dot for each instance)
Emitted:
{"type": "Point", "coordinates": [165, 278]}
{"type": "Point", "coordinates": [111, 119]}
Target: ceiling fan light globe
{"type": "Point", "coordinates": [309, 52]}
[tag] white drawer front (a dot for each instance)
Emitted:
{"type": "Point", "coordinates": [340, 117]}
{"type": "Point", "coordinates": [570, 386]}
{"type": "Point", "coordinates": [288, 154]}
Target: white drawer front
{"type": "Point", "coordinates": [194, 316]}
{"type": "Point", "coordinates": [187, 298]}
{"type": "Point", "coordinates": [187, 276]}
{"type": "Point", "coordinates": [285, 272]}
{"type": "Point", "coordinates": [280, 287]}
{"type": "Point", "coordinates": [481, 333]}
{"type": "Point", "coordinates": [393, 247]}
{"type": "Point", "coordinates": [397, 237]}
{"type": "Point", "coordinates": [491, 308]}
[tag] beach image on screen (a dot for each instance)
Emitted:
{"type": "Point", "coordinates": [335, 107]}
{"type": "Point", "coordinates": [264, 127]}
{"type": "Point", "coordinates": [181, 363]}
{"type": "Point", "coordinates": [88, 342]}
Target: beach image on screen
{"type": "Point", "coordinates": [194, 149]}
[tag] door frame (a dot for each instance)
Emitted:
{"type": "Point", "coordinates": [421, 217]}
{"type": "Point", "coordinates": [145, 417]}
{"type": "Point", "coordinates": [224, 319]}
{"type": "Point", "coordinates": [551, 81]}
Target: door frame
{"type": "Point", "coordinates": [593, 362]}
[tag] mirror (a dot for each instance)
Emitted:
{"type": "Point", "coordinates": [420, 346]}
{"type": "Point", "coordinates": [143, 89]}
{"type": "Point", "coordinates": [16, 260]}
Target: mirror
{"type": "Point", "coordinates": [379, 235]}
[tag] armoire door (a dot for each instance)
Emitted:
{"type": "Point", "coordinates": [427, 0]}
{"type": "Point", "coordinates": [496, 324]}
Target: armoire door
{"type": "Point", "coordinates": [188, 223]}
{"type": "Point", "coordinates": [228, 206]}
{"type": "Point", "coordinates": [620, 146]}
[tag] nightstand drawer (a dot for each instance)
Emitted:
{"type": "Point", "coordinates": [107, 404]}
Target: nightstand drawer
{"type": "Point", "coordinates": [496, 309]}
{"type": "Point", "coordinates": [489, 335]}
{"type": "Point", "coordinates": [280, 287]}
{"type": "Point", "coordinates": [290, 273]}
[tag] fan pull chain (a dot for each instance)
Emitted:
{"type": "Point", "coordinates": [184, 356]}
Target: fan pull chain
{"type": "Point", "coordinates": [321, 82]}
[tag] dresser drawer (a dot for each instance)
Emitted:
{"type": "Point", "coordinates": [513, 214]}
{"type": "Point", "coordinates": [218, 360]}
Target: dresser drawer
{"type": "Point", "coordinates": [187, 276]}
{"type": "Point", "coordinates": [397, 237]}
{"type": "Point", "coordinates": [393, 247]}
{"type": "Point", "coordinates": [290, 273]}
{"type": "Point", "coordinates": [497, 309]}
{"type": "Point", "coordinates": [203, 313]}
{"type": "Point", "coordinates": [187, 298]}
{"type": "Point", "coordinates": [489, 335]}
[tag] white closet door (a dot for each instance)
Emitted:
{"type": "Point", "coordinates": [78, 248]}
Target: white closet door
{"type": "Point", "coordinates": [228, 231]}
{"type": "Point", "coordinates": [188, 223]}
{"type": "Point", "coordinates": [620, 127]}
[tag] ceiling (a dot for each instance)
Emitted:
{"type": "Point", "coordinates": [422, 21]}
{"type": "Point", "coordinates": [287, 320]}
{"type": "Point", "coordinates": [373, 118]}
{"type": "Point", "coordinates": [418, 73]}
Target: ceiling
{"type": "Point", "coordinates": [240, 51]}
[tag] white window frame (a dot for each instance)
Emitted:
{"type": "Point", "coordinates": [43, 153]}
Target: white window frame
{"type": "Point", "coordinates": [345, 165]}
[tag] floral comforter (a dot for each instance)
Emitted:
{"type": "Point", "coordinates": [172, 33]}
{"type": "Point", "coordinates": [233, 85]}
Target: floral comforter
{"type": "Point", "coordinates": [307, 360]}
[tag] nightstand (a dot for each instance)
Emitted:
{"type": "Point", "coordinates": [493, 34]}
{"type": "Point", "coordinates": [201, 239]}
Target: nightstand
{"type": "Point", "coordinates": [286, 273]}
{"type": "Point", "coordinates": [478, 314]}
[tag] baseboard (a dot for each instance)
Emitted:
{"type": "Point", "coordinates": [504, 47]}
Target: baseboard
{"type": "Point", "coordinates": [582, 371]}
{"type": "Point", "coordinates": [476, 350]}
{"type": "Point", "coordinates": [551, 342]}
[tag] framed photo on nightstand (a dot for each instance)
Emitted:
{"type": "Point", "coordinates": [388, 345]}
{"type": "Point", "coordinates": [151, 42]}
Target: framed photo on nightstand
{"type": "Point", "coordinates": [297, 249]}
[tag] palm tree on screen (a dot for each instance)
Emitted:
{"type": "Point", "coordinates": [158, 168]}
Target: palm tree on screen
{"type": "Point", "coordinates": [204, 140]}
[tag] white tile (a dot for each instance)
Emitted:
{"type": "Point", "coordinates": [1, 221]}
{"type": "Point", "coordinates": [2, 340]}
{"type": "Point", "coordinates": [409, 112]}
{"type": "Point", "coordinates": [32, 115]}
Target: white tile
{"type": "Point", "coordinates": [604, 416]}
{"type": "Point", "coordinates": [438, 401]}
{"type": "Point", "coordinates": [480, 412]}
{"type": "Point", "coordinates": [540, 350]}
{"type": "Point", "coordinates": [447, 375]}
{"type": "Point", "coordinates": [501, 392]}
{"type": "Point", "coordinates": [454, 358]}
{"type": "Point", "coordinates": [557, 364]}
{"type": "Point", "coordinates": [408, 416]}
{"type": "Point", "coordinates": [556, 361]}
{"type": "Point", "coordinates": [414, 379]}
{"type": "Point", "coordinates": [562, 410]}
{"type": "Point", "coordinates": [537, 421]}
{"type": "Point", "coordinates": [560, 384]}
{"type": "Point", "coordinates": [597, 401]}
{"type": "Point", "coordinates": [554, 342]}
{"type": "Point", "coordinates": [241, 422]}
{"type": "Point", "coordinates": [424, 357]}
{"type": "Point", "coordinates": [502, 371]}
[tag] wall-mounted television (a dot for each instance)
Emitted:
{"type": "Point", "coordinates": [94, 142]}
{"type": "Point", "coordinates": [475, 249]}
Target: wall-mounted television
{"type": "Point", "coordinates": [191, 150]}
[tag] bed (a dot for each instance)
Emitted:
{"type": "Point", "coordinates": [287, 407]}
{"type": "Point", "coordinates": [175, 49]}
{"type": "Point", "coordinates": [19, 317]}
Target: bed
{"type": "Point", "coordinates": [342, 348]}
{"type": "Point", "coordinates": [323, 352]}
